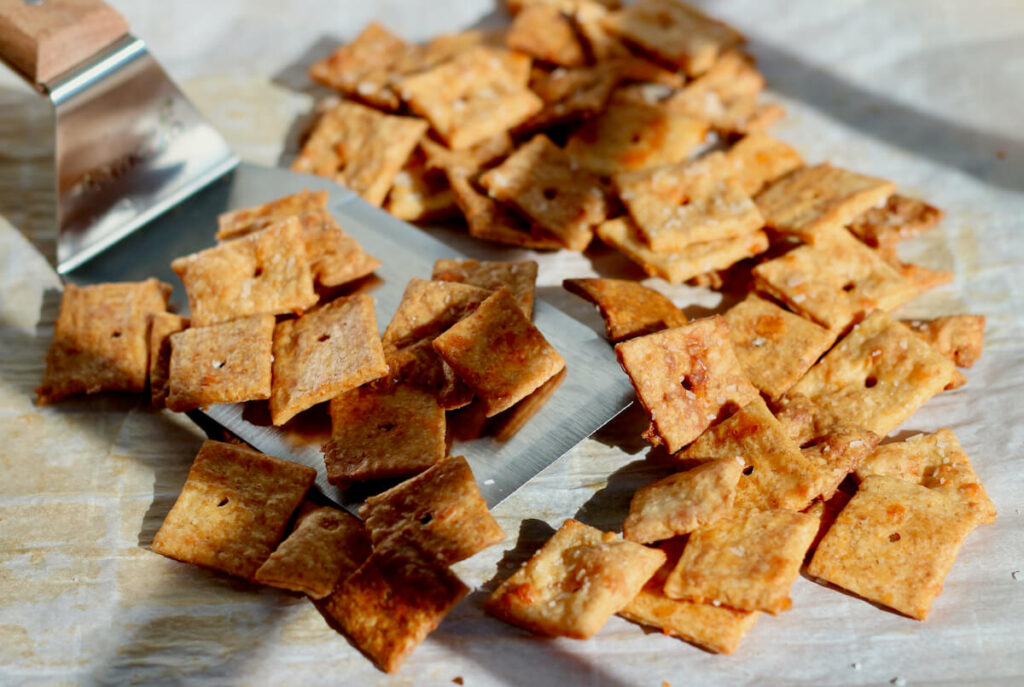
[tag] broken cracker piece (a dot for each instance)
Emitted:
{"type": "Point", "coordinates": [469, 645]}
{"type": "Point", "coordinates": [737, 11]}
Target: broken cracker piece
{"type": "Point", "coordinates": [837, 454]}
{"type": "Point", "coordinates": [519, 277]}
{"type": "Point", "coordinates": [687, 379]}
{"type": "Point", "coordinates": [328, 350]}
{"type": "Point", "coordinates": [575, 583]}
{"type": "Point", "coordinates": [958, 337]}
{"type": "Point", "coordinates": [162, 325]}
{"type": "Point", "coordinates": [629, 309]}
{"type": "Point", "coordinates": [228, 362]}
{"type": "Point", "coordinates": [893, 544]}
{"type": "Point", "coordinates": [233, 509]}
{"type": "Point", "coordinates": [899, 219]}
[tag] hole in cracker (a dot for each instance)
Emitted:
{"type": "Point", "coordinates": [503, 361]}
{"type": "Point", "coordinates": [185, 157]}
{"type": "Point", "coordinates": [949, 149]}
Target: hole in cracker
{"type": "Point", "coordinates": [425, 520]}
{"type": "Point", "coordinates": [870, 382]}
{"type": "Point", "coordinates": [749, 470]}
{"type": "Point", "coordinates": [323, 337]}
{"type": "Point", "coordinates": [115, 335]}
{"type": "Point", "coordinates": [258, 271]}
{"type": "Point", "coordinates": [550, 193]}
{"type": "Point", "coordinates": [848, 286]}
{"type": "Point", "coordinates": [687, 384]}
{"type": "Point", "coordinates": [386, 427]}
{"type": "Point", "coordinates": [635, 138]}
{"type": "Point", "coordinates": [223, 502]}
{"type": "Point", "coordinates": [894, 537]}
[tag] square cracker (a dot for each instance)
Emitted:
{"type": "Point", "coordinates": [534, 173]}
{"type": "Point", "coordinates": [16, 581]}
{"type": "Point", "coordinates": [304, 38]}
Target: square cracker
{"type": "Point", "coordinates": [900, 218]}
{"type": "Point", "coordinates": [744, 561]}
{"type": "Point", "coordinates": [810, 200]}
{"type": "Point", "coordinates": [233, 509]}
{"type": "Point", "coordinates": [265, 272]}
{"type": "Point", "coordinates": [776, 473]}
{"type": "Point", "coordinates": [936, 461]}
{"type": "Point", "coordinates": [687, 378]}
{"type": "Point", "coordinates": [394, 600]}
{"type": "Point", "coordinates": [235, 223]}
{"type": "Point", "coordinates": [161, 326]}
{"type": "Point", "coordinates": [875, 378]}
{"type": "Point", "coordinates": [715, 628]}
{"type": "Point", "coordinates": [674, 32]}
{"type": "Point", "coordinates": [328, 350]}
{"type": "Point", "coordinates": [477, 94]}
{"type": "Point", "coordinates": [958, 337]}
{"type": "Point", "coordinates": [228, 362]}
{"type": "Point", "coordinates": [571, 95]}
{"type": "Point", "coordinates": [325, 546]}
{"type": "Point", "coordinates": [630, 136]}
{"type": "Point", "coordinates": [380, 433]}
{"type": "Point", "coordinates": [675, 267]}
{"type": "Point", "coordinates": [678, 205]}
{"type": "Point", "coordinates": [725, 96]}
{"type": "Point", "coordinates": [629, 308]}
{"type": "Point", "coordinates": [680, 503]}
{"type": "Point", "coordinates": [441, 509]}
{"type": "Point", "coordinates": [893, 544]}
{"type": "Point", "coordinates": [758, 159]}
{"type": "Point", "coordinates": [428, 308]}
{"type": "Point", "coordinates": [498, 353]}
{"type": "Point", "coordinates": [99, 343]}
{"type": "Point", "coordinates": [543, 183]}
{"type": "Point", "coordinates": [519, 277]}
{"type": "Point", "coordinates": [360, 148]}
{"type": "Point", "coordinates": [774, 346]}
{"type": "Point", "coordinates": [575, 583]}
{"type": "Point", "coordinates": [419, 365]}
{"type": "Point", "coordinates": [545, 33]}
{"type": "Point", "coordinates": [835, 282]}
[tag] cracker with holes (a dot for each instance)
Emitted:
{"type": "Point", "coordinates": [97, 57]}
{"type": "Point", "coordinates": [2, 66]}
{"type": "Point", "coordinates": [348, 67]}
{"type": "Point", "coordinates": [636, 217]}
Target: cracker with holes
{"type": "Point", "coordinates": [936, 461]}
{"type": "Point", "coordinates": [958, 337]}
{"type": "Point", "coordinates": [477, 94]}
{"type": "Point", "coordinates": [683, 502]}
{"type": "Point", "coordinates": [100, 339]}
{"type": "Point", "coordinates": [629, 309]}
{"type": "Point", "coordinates": [687, 379]}
{"type": "Point", "coordinates": [233, 509]}
{"type": "Point", "coordinates": [383, 433]}
{"type": "Point", "coordinates": [678, 205]}
{"type": "Point", "coordinates": [893, 544]}
{"type": "Point", "coordinates": [837, 454]}
{"type": "Point", "coordinates": [899, 219]}
{"type": "Point", "coordinates": [543, 32]}
{"type": "Point", "coordinates": [835, 282]}
{"type": "Point", "coordinates": [774, 346]}
{"type": "Point", "coordinates": [875, 378]}
{"type": "Point", "coordinates": [631, 136]}
{"type": "Point", "coordinates": [775, 474]}
{"type": "Point", "coordinates": [228, 362]}
{"type": "Point", "coordinates": [368, 67]}
{"type": "Point", "coordinates": [328, 350]}
{"type": "Point", "coordinates": [715, 628]}
{"type": "Point", "coordinates": [441, 509]}
{"type": "Point", "coordinates": [499, 353]}
{"type": "Point", "coordinates": [235, 223]}
{"type": "Point", "coordinates": [520, 278]}
{"type": "Point", "coordinates": [744, 561]}
{"type": "Point", "coordinates": [543, 182]}
{"type": "Point", "coordinates": [360, 148]}
{"type": "Point", "coordinates": [509, 422]}
{"type": "Point", "coordinates": [325, 546]}
{"type": "Point", "coordinates": [161, 326]}
{"type": "Point", "coordinates": [419, 194]}
{"type": "Point", "coordinates": [571, 95]}
{"type": "Point", "coordinates": [675, 267]}
{"type": "Point", "coordinates": [758, 159]}
{"type": "Point", "coordinates": [265, 272]}
{"type": "Point", "coordinates": [393, 601]}
{"type": "Point", "coordinates": [812, 200]}
{"type": "Point", "coordinates": [575, 583]}
{"type": "Point", "coordinates": [675, 33]}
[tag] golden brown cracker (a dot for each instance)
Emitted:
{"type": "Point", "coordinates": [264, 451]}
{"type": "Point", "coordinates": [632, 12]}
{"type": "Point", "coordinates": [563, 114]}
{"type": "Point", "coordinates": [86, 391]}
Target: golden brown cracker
{"type": "Point", "coordinates": [545, 33]}
{"type": "Point", "coordinates": [468, 160]}
{"type": "Point", "coordinates": [575, 583]}
{"type": "Point", "coordinates": [726, 96]}
{"type": "Point", "coordinates": [958, 337]}
{"type": "Point", "coordinates": [383, 433]}
{"type": "Point", "coordinates": [100, 339]}
{"type": "Point", "coordinates": [328, 350]}
{"type": "Point", "coordinates": [837, 454]}
{"type": "Point", "coordinates": [419, 364]}
{"type": "Point", "coordinates": [680, 503]}
{"type": "Point", "coordinates": [746, 561]}
{"type": "Point", "coordinates": [571, 95]}
{"type": "Point", "coordinates": [394, 600]}
{"type": "Point", "coordinates": [428, 308]}
{"type": "Point", "coordinates": [368, 67]}
{"type": "Point", "coordinates": [498, 353]}
{"type": "Point", "coordinates": [677, 266]}
{"type": "Point", "coordinates": [161, 326]}
{"type": "Point", "coordinates": [419, 194]}
{"type": "Point", "coordinates": [235, 223]}
{"type": "Point", "coordinates": [899, 219]}
{"type": "Point", "coordinates": [335, 258]}
{"type": "Point", "coordinates": [264, 272]}
{"type": "Point", "coordinates": [520, 278]}
{"type": "Point", "coordinates": [774, 346]}
{"type": "Point", "coordinates": [758, 159]}
{"type": "Point", "coordinates": [507, 423]}
{"type": "Point", "coordinates": [687, 378]}
{"type": "Point", "coordinates": [228, 362]}
{"type": "Point", "coordinates": [629, 309]}
{"type": "Point", "coordinates": [893, 544]}
{"type": "Point", "coordinates": [233, 509]}
{"type": "Point", "coordinates": [441, 509]}
{"type": "Point", "coordinates": [325, 546]}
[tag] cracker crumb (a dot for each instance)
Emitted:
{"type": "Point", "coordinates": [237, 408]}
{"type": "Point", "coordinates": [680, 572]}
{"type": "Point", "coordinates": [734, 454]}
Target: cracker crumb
{"type": "Point", "coordinates": [1017, 575]}
{"type": "Point", "coordinates": [855, 665]}
{"type": "Point", "coordinates": [488, 481]}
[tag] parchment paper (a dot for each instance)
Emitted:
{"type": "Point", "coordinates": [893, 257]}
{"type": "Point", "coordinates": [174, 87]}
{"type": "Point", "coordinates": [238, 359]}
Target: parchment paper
{"type": "Point", "coordinates": [927, 94]}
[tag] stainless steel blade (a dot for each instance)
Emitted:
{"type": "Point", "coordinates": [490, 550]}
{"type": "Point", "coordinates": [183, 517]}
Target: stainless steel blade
{"type": "Point", "coordinates": [593, 392]}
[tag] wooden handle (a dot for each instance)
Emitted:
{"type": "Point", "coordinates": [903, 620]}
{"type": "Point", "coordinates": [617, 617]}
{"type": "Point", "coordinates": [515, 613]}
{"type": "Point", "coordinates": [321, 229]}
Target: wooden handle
{"type": "Point", "coordinates": [42, 38]}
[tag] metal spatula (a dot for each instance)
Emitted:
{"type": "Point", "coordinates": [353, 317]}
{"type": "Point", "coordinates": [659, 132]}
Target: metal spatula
{"type": "Point", "coordinates": [141, 180]}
